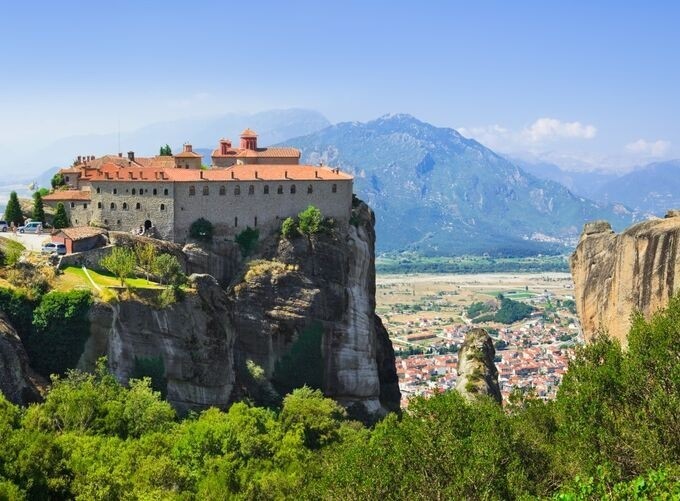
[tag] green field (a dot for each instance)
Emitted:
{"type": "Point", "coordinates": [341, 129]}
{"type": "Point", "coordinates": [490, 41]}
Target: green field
{"type": "Point", "coordinates": [413, 263]}
{"type": "Point", "coordinates": [75, 278]}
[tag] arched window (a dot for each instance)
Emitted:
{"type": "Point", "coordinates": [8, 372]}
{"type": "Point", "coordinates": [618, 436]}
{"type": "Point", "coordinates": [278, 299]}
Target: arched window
{"type": "Point", "coordinates": [138, 206]}
{"type": "Point", "coordinates": [165, 192]}
{"type": "Point", "coordinates": [192, 191]}
{"type": "Point", "coordinates": [223, 190]}
{"type": "Point", "coordinates": [113, 206]}
{"type": "Point", "coordinates": [84, 206]}
{"type": "Point", "coordinates": [251, 190]}
{"type": "Point", "coordinates": [162, 206]}
{"type": "Point", "coordinates": [155, 191]}
{"type": "Point", "coordinates": [99, 205]}
{"type": "Point", "coordinates": [236, 221]}
{"type": "Point", "coordinates": [206, 190]}
{"type": "Point", "coordinates": [292, 188]}
{"type": "Point", "coordinates": [335, 188]}
{"type": "Point", "coordinates": [134, 192]}
{"type": "Point", "coordinates": [309, 189]}
{"type": "Point", "coordinates": [73, 204]}
{"type": "Point", "coordinates": [115, 191]}
{"type": "Point", "coordinates": [266, 189]}
{"type": "Point", "coordinates": [124, 206]}
{"type": "Point", "coordinates": [99, 190]}
{"type": "Point", "coordinates": [279, 190]}
{"type": "Point", "coordinates": [237, 191]}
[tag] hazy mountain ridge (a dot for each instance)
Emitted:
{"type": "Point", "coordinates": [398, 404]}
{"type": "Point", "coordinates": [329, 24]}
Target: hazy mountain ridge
{"type": "Point", "coordinates": [437, 192]}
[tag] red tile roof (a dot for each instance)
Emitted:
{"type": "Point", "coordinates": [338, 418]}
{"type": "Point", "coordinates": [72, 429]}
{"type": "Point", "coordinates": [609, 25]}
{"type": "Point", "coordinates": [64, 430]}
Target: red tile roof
{"type": "Point", "coordinates": [248, 132]}
{"type": "Point", "coordinates": [188, 154]}
{"type": "Point", "coordinates": [79, 232]}
{"type": "Point", "coordinates": [239, 172]}
{"type": "Point", "coordinates": [276, 152]}
{"type": "Point", "coordinates": [68, 195]}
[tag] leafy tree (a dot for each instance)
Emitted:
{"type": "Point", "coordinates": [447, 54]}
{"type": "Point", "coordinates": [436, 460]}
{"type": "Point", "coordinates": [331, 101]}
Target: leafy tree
{"type": "Point", "coordinates": [310, 220]}
{"type": "Point", "coordinates": [121, 262]}
{"type": "Point", "coordinates": [58, 181]}
{"type": "Point", "coordinates": [166, 151]}
{"type": "Point", "coordinates": [146, 257]}
{"type": "Point", "coordinates": [60, 217]}
{"type": "Point", "coordinates": [289, 228]}
{"type": "Point", "coordinates": [38, 209]}
{"type": "Point", "coordinates": [169, 270]}
{"type": "Point", "coordinates": [201, 229]}
{"type": "Point", "coordinates": [13, 212]}
{"type": "Point", "coordinates": [247, 240]}
{"type": "Point", "coordinates": [43, 191]}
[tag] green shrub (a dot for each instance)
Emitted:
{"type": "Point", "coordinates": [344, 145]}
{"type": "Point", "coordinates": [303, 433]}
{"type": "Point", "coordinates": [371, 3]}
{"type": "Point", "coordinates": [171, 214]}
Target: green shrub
{"type": "Point", "coordinates": [60, 328]}
{"type": "Point", "coordinates": [247, 240]}
{"type": "Point", "coordinates": [310, 221]}
{"type": "Point", "coordinates": [58, 181]}
{"type": "Point", "coordinates": [289, 228]}
{"type": "Point", "coordinates": [201, 229]}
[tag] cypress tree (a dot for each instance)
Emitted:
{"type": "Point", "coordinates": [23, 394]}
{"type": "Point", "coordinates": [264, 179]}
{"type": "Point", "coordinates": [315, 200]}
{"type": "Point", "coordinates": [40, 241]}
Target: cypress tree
{"type": "Point", "coordinates": [60, 217]}
{"type": "Point", "coordinates": [13, 210]}
{"type": "Point", "coordinates": [38, 209]}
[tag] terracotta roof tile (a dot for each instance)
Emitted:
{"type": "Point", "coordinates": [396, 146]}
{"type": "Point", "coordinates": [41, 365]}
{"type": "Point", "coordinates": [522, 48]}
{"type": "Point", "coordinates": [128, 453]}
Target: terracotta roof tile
{"type": "Point", "coordinates": [275, 152]}
{"type": "Point", "coordinates": [80, 232]}
{"type": "Point", "coordinates": [68, 195]}
{"type": "Point", "coordinates": [240, 173]}
{"type": "Point", "coordinates": [248, 132]}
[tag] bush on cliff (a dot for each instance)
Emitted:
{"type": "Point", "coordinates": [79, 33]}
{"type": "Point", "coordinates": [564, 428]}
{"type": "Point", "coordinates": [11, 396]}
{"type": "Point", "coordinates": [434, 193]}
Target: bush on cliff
{"type": "Point", "coordinates": [310, 221]}
{"type": "Point", "coordinates": [247, 240]}
{"type": "Point", "coordinates": [60, 328]}
{"type": "Point", "coordinates": [201, 229]}
{"type": "Point", "coordinates": [289, 228]}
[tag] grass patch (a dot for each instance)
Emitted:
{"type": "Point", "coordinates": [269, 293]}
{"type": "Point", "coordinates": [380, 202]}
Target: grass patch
{"type": "Point", "coordinates": [74, 277]}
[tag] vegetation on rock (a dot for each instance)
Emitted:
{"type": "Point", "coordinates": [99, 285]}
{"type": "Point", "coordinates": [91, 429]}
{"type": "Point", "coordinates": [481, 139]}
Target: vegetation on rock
{"type": "Point", "coordinates": [58, 181]}
{"type": "Point", "coordinates": [201, 229]}
{"type": "Point", "coordinates": [247, 240]}
{"type": "Point", "coordinates": [121, 262]}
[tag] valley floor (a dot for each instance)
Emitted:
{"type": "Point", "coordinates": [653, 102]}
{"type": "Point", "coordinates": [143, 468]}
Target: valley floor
{"type": "Point", "coordinates": [426, 315]}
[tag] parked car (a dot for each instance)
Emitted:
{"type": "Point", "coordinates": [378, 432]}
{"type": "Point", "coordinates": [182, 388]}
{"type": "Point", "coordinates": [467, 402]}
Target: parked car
{"type": "Point", "coordinates": [32, 227]}
{"type": "Point", "coordinates": [51, 247]}
{"type": "Point", "coordinates": [3, 226]}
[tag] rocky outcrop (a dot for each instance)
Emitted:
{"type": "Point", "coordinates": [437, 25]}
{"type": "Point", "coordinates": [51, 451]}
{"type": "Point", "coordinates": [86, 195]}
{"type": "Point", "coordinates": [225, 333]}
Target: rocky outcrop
{"type": "Point", "coordinates": [617, 274]}
{"type": "Point", "coordinates": [191, 341]}
{"type": "Point", "coordinates": [477, 373]}
{"type": "Point", "coordinates": [220, 259]}
{"type": "Point", "coordinates": [18, 382]}
{"type": "Point", "coordinates": [325, 282]}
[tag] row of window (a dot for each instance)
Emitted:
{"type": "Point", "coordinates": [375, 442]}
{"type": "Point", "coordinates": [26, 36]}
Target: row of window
{"type": "Point", "coordinates": [138, 206]}
{"type": "Point", "coordinates": [142, 191]}
{"type": "Point", "coordinates": [251, 189]}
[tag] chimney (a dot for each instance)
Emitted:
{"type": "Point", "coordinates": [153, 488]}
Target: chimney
{"type": "Point", "coordinates": [201, 172]}
{"type": "Point", "coordinates": [130, 175]}
{"type": "Point", "coordinates": [232, 174]}
{"type": "Point", "coordinates": [285, 174]}
{"type": "Point", "coordinates": [79, 160]}
{"type": "Point", "coordinates": [224, 146]}
{"type": "Point", "coordinates": [131, 156]}
{"type": "Point", "coordinates": [120, 154]}
{"type": "Point", "coordinates": [187, 148]}
{"type": "Point", "coordinates": [256, 175]}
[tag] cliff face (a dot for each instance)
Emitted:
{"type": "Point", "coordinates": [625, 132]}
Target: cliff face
{"type": "Point", "coordinates": [18, 382]}
{"type": "Point", "coordinates": [303, 313]}
{"type": "Point", "coordinates": [617, 274]}
{"type": "Point", "coordinates": [190, 343]}
{"type": "Point", "coordinates": [325, 295]}
{"type": "Point", "coordinates": [477, 373]}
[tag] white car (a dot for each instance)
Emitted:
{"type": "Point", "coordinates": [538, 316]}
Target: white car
{"type": "Point", "coordinates": [32, 227]}
{"type": "Point", "coordinates": [51, 248]}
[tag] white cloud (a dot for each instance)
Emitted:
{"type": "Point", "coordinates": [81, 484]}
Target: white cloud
{"type": "Point", "coordinates": [550, 128]}
{"type": "Point", "coordinates": [642, 147]}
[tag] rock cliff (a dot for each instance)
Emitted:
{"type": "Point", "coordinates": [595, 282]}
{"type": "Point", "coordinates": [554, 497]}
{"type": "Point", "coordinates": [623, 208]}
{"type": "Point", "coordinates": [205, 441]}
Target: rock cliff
{"type": "Point", "coordinates": [477, 373]}
{"type": "Point", "coordinates": [18, 382]}
{"type": "Point", "coordinates": [190, 343]}
{"type": "Point", "coordinates": [301, 312]}
{"type": "Point", "coordinates": [617, 274]}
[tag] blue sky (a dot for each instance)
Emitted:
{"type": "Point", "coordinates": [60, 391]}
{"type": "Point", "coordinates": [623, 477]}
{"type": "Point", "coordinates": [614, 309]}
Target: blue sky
{"type": "Point", "coordinates": [581, 84]}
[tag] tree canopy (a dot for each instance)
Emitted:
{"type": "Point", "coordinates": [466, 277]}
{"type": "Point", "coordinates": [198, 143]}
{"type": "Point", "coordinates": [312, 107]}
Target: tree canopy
{"type": "Point", "coordinates": [13, 212]}
{"type": "Point", "coordinates": [60, 217]}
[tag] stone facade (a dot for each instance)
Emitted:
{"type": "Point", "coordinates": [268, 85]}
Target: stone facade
{"type": "Point", "coordinates": [246, 187]}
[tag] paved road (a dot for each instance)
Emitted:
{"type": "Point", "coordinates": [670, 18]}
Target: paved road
{"type": "Point", "coordinates": [30, 241]}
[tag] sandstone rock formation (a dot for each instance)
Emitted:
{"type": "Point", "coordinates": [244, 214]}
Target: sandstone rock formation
{"type": "Point", "coordinates": [327, 283]}
{"type": "Point", "coordinates": [192, 340]}
{"type": "Point", "coordinates": [617, 274]}
{"type": "Point", "coordinates": [477, 373]}
{"type": "Point", "coordinates": [18, 382]}
{"type": "Point", "coordinates": [304, 309]}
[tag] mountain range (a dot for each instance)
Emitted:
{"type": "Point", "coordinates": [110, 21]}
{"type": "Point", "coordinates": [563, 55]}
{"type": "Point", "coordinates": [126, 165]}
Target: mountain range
{"type": "Point", "coordinates": [439, 193]}
{"type": "Point", "coordinates": [433, 190]}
